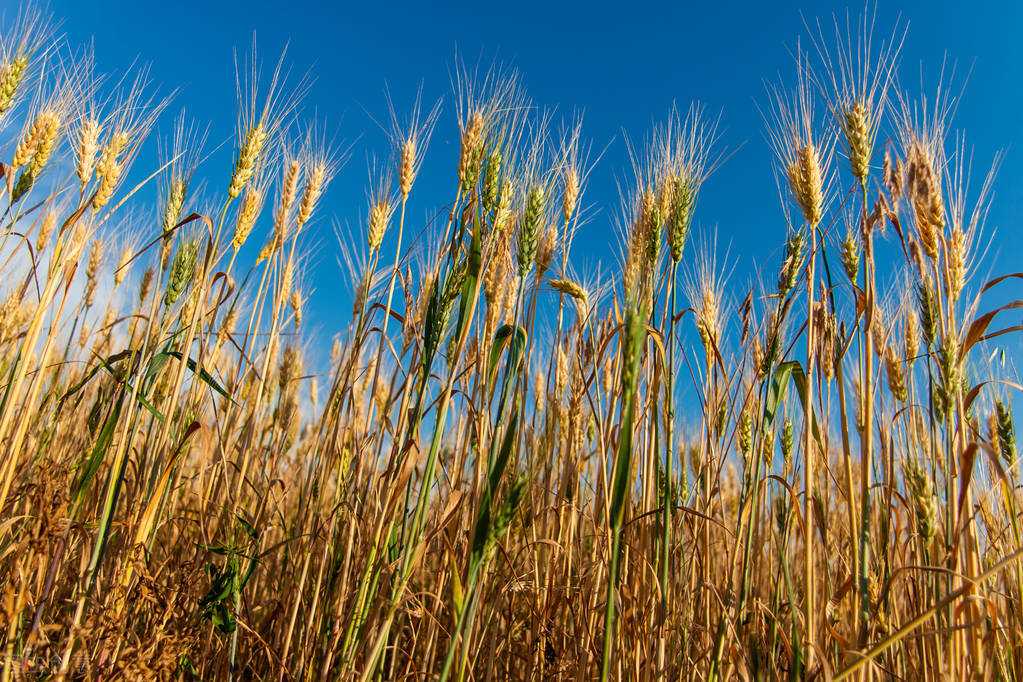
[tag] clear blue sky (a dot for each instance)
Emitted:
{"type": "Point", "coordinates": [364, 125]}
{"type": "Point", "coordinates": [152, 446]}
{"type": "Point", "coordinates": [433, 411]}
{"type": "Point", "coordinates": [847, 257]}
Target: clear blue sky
{"type": "Point", "coordinates": [623, 65]}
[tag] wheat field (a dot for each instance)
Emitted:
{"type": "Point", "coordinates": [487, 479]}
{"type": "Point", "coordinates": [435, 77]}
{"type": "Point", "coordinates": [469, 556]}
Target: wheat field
{"type": "Point", "coordinates": [510, 468]}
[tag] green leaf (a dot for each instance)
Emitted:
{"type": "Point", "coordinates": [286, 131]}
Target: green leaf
{"type": "Point", "coordinates": [634, 336]}
{"type": "Point", "coordinates": [249, 530]}
{"type": "Point", "coordinates": [185, 665]}
{"type": "Point", "coordinates": [483, 520]}
{"type": "Point", "coordinates": [779, 385]}
{"type": "Point", "coordinates": [103, 364]}
{"type": "Point", "coordinates": [156, 363]}
{"type": "Point", "coordinates": [203, 374]}
{"type": "Point", "coordinates": [108, 365]}
{"type": "Point", "coordinates": [508, 509]}
{"type": "Point", "coordinates": [149, 406]}
{"type": "Point", "coordinates": [776, 393]}
{"type": "Point", "coordinates": [432, 327]}
{"type": "Point", "coordinates": [91, 465]}
{"type": "Point", "coordinates": [469, 288]}
{"type": "Point", "coordinates": [799, 379]}
{"type": "Point", "coordinates": [507, 332]}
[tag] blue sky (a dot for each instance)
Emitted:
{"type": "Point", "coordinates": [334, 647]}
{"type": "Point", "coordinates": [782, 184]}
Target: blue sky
{"type": "Point", "coordinates": [623, 65]}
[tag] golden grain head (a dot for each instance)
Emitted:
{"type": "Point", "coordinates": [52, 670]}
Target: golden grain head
{"type": "Point", "coordinates": [806, 183]}
{"type": "Point", "coordinates": [407, 167]}
{"type": "Point", "coordinates": [175, 203]}
{"type": "Point", "coordinates": [88, 146]}
{"type": "Point", "coordinates": [289, 188]}
{"type": "Point", "coordinates": [569, 288]}
{"type": "Point", "coordinates": [107, 185]}
{"type": "Point", "coordinates": [379, 217]}
{"type": "Point", "coordinates": [571, 198]}
{"type": "Point", "coordinates": [95, 258]}
{"type": "Point", "coordinates": [955, 263]}
{"type": "Point", "coordinates": [896, 374]}
{"type": "Point", "coordinates": [318, 178]}
{"type": "Point", "coordinates": [111, 153]}
{"type": "Point", "coordinates": [574, 290]}
{"type": "Point", "coordinates": [911, 327]}
{"type": "Point", "coordinates": [184, 508]}
{"type": "Point", "coordinates": [46, 226]}
{"type": "Point", "coordinates": [296, 307]}
{"type": "Point", "coordinates": [546, 247]}
{"type": "Point", "coordinates": [248, 158]}
{"type": "Point", "coordinates": [252, 204]}
{"type": "Point", "coordinates": [857, 127]}
{"type": "Point", "coordinates": [39, 138]}
{"type": "Point", "coordinates": [54, 125]}
{"type": "Point", "coordinates": [109, 168]}
{"type": "Point", "coordinates": [472, 149]}
{"type": "Point", "coordinates": [925, 190]}
{"type": "Point", "coordinates": [11, 75]}
{"type": "Point", "coordinates": [851, 255]}
{"type": "Point", "coordinates": [121, 270]}
{"type": "Point", "coordinates": [146, 285]}
{"type": "Point", "coordinates": [708, 319]}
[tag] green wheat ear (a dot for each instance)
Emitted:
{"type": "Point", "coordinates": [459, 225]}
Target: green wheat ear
{"type": "Point", "coordinates": [1006, 430]}
{"type": "Point", "coordinates": [181, 271]}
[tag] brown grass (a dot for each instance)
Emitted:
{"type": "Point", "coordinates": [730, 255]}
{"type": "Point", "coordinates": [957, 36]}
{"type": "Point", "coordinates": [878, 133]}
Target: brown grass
{"type": "Point", "coordinates": [182, 496]}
